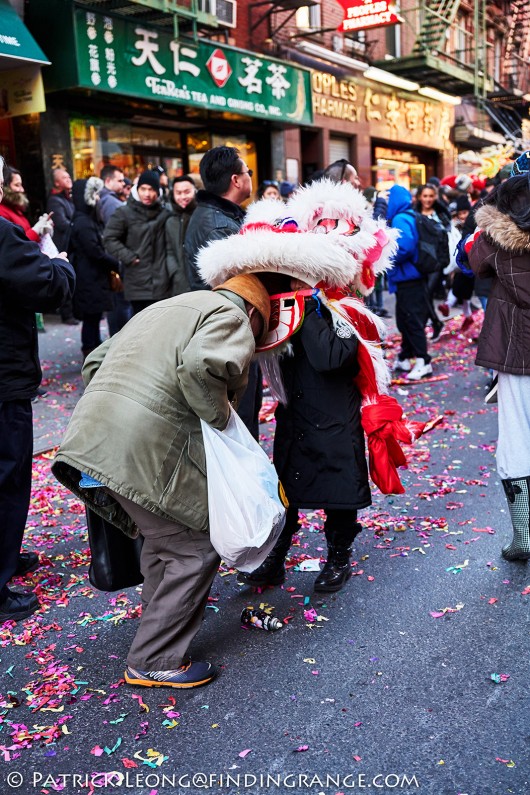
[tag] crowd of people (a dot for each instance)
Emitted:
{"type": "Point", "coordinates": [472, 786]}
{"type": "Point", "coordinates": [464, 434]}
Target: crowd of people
{"type": "Point", "coordinates": [186, 279]}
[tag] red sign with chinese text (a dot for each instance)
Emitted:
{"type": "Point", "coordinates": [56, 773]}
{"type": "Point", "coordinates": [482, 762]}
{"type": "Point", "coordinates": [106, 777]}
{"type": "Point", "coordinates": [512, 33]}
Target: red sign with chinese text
{"type": "Point", "coordinates": [364, 14]}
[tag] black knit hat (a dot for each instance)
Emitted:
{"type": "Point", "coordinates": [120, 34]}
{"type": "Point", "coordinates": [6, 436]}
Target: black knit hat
{"type": "Point", "coordinates": [150, 178]}
{"type": "Point", "coordinates": [462, 203]}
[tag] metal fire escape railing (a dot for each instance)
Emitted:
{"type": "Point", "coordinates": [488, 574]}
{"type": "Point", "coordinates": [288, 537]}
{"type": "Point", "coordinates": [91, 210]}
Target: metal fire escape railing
{"type": "Point", "coordinates": [435, 19]}
{"type": "Point", "coordinates": [517, 54]}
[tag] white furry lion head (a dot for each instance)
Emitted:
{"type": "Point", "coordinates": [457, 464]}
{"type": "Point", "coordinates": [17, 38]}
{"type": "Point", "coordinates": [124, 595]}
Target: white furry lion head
{"type": "Point", "coordinates": [324, 236]}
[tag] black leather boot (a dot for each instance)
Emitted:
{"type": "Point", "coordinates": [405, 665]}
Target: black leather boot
{"type": "Point", "coordinates": [272, 570]}
{"type": "Point", "coordinates": [340, 533]}
{"type": "Point", "coordinates": [336, 572]}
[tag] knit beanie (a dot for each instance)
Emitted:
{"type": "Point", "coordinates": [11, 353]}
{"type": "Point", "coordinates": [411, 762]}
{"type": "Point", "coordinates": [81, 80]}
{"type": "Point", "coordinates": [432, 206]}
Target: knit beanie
{"type": "Point", "coordinates": [434, 181]}
{"type": "Point", "coordinates": [463, 203]}
{"type": "Point", "coordinates": [251, 289]}
{"type": "Point", "coordinates": [150, 178]}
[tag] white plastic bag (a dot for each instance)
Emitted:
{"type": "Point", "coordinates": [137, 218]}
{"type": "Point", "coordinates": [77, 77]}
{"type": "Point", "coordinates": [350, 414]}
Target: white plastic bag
{"type": "Point", "coordinates": [245, 508]}
{"type": "Point", "coordinates": [47, 246]}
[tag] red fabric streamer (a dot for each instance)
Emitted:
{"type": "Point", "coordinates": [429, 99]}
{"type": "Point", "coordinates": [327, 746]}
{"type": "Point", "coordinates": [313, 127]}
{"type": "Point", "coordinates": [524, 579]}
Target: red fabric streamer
{"type": "Point", "coordinates": [381, 415]}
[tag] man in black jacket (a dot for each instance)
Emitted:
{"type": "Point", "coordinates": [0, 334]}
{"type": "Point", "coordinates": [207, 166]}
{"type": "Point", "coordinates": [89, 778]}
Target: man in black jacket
{"type": "Point", "coordinates": [62, 208]}
{"type": "Point", "coordinates": [227, 183]}
{"type": "Point", "coordinates": [29, 282]}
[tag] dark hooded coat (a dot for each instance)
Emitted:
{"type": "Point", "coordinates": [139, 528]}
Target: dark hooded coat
{"type": "Point", "coordinates": [503, 251]}
{"type": "Point", "coordinates": [319, 450]}
{"type": "Point", "coordinates": [92, 263]}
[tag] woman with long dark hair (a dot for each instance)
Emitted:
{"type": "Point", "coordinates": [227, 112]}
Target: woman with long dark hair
{"type": "Point", "coordinates": [502, 251]}
{"type": "Point", "coordinates": [428, 204]}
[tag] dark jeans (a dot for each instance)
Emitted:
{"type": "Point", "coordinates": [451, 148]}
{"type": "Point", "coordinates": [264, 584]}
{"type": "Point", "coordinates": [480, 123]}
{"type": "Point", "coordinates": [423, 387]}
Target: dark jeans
{"type": "Point", "coordinates": [90, 333]}
{"type": "Point", "coordinates": [67, 310]}
{"type": "Point", "coordinates": [16, 450]}
{"type": "Point", "coordinates": [139, 306]}
{"type": "Point", "coordinates": [432, 281]}
{"type": "Point", "coordinates": [250, 404]}
{"type": "Point", "coordinates": [120, 314]}
{"type": "Point", "coordinates": [412, 311]}
{"type": "Point", "coordinates": [340, 528]}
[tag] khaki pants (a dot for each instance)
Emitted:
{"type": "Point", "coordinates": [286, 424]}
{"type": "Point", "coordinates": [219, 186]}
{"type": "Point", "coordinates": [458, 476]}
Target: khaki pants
{"type": "Point", "coordinates": [178, 565]}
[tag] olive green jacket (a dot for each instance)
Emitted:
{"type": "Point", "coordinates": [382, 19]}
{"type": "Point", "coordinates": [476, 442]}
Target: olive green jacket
{"type": "Point", "coordinates": [136, 429]}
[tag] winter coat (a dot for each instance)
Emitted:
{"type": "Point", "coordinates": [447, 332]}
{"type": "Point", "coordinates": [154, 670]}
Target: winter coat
{"type": "Point", "coordinates": [137, 427]}
{"type": "Point", "coordinates": [441, 211]}
{"type": "Point", "coordinates": [92, 263]}
{"type": "Point", "coordinates": [503, 251]}
{"type": "Point", "coordinates": [29, 282]}
{"type": "Point", "coordinates": [214, 219]}
{"type": "Point", "coordinates": [176, 226]}
{"type": "Point", "coordinates": [62, 208]}
{"type": "Point", "coordinates": [319, 450]}
{"type": "Point", "coordinates": [109, 201]}
{"type": "Point", "coordinates": [403, 270]}
{"type": "Point", "coordinates": [133, 231]}
{"type": "Point", "coordinates": [16, 216]}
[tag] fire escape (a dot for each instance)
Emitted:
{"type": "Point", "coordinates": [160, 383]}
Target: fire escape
{"type": "Point", "coordinates": [445, 55]}
{"type": "Point", "coordinates": [451, 53]}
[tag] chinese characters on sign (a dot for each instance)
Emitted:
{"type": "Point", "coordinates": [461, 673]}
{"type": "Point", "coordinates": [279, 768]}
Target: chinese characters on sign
{"type": "Point", "coordinates": [100, 50]}
{"type": "Point", "coordinates": [119, 54]}
{"type": "Point", "coordinates": [391, 114]}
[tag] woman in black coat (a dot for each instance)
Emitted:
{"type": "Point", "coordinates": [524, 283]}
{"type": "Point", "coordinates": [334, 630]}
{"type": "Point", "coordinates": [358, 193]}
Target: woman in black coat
{"type": "Point", "coordinates": [319, 450]}
{"type": "Point", "coordinates": [93, 265]}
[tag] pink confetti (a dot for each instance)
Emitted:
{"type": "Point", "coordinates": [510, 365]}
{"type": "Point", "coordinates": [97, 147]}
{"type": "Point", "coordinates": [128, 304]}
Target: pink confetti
{"type": "Point", "coordinates": [244, 753]}
{"type": "Point", "coordinates": [301, 748]}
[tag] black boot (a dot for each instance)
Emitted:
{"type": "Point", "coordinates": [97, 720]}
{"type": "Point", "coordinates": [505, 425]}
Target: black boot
{"type": "Point", "coordinates": [517, 492]}
{"type": "Point", "coordinates": [272, 570]}
{"type": "Point", "coordinates": [340, 533]}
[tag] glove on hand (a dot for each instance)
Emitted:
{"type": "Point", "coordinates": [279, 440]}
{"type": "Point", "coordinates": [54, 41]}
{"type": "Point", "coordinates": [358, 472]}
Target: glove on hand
{"type": "Point", "coordinates": [44, 225]}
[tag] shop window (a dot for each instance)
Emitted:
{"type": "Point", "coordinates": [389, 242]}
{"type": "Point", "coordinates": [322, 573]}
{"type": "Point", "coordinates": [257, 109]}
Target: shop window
{"type": "Point", "coordinates": [200, 142]}
{"type": "Point", "coordinates": [132, 149]}
{"type": "Point", "coordinates": [395, 167]}
{"type": "Point", "coordinates": [309, 17]}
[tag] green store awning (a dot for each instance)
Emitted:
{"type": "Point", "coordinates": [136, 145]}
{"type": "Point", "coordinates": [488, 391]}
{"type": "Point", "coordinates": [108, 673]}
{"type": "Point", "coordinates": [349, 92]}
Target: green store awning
{"type": "Point", "coordinates": [17, 45]}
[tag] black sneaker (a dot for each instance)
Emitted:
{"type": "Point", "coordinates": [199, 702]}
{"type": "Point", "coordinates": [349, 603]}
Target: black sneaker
{"type": "Point", "coordinates": [190, 674]}
{"type": "Point", "coordinates": [16, 606]}
{"type": "Point", "coordinates": [71, 321]}
{"type": "Point", "coordinates": [27, 561]}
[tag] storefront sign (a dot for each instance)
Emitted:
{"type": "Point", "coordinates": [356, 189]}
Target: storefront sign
{"type": "Point", "coordinates": [391, 114]}
{"type": "Point", "coordinates": [21, 92]}
{"type": "Point", "coordinates": [364, 14]}
{"type": "Point", "coordinates": [126, 58]}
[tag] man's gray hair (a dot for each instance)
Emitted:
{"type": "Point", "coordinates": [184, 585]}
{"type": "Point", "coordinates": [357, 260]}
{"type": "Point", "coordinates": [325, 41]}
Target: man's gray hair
{"type": "Point", "coordinates": [2, 166]}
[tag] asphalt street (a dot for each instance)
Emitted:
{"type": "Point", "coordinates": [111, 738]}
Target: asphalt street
{"type": "Point", "coordinates": [413, 679]}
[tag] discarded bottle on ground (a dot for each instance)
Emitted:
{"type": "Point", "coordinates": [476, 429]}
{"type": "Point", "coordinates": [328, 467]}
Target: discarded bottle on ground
{"type": "Point", "coordinates": [260, 619]}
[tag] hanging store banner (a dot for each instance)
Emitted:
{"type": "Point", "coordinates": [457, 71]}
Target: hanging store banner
{"type": "Point", "coordinates": [121, 57]}
{"type": "Point", "coordinates": [21, 92]}
{"type": "Point", "coordinates": [364, 14]}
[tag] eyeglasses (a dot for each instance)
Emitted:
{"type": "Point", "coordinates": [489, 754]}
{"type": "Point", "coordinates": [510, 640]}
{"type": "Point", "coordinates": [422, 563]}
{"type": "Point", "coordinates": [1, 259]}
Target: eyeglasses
{"type": "Point", "coordinates": [270, 183]}
{"type": "Point", "coordinates": [248, 171]}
